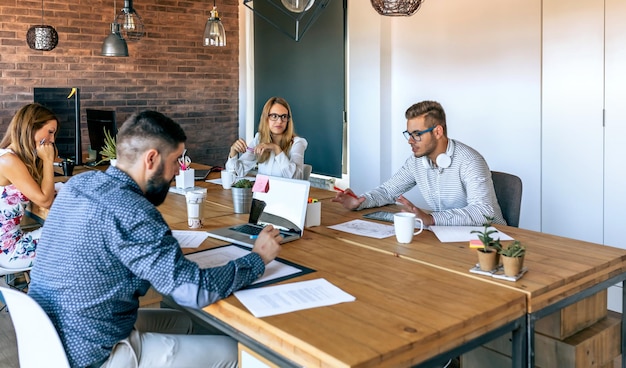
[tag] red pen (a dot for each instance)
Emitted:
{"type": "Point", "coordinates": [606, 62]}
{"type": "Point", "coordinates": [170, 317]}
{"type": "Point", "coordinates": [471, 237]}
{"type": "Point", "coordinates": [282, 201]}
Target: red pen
{"type": "Point", "coordinates": [348, 193]}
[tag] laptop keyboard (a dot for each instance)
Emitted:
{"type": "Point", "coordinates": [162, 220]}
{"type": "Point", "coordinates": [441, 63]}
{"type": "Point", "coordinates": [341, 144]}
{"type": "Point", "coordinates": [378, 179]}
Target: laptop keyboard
{"type": "Point", "coordinates": [247, 229]}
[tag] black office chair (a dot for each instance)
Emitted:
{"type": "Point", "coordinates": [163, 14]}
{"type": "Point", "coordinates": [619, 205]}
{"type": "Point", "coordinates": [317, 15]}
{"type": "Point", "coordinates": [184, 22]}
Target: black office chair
{"type": "Point", "coordinates": [508, 189]}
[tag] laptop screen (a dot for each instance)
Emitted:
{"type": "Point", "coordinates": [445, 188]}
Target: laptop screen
{"type": "Point", "coordinates": [284, 203]}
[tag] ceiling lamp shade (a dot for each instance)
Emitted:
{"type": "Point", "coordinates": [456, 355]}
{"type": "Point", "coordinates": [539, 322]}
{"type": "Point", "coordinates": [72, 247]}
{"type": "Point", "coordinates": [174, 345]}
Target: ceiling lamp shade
{"type": "Point", "coordinates": [131, 24]}
{"type": "Point", "coordinates": [114, 44]}
{"type": "Point", "coordinates": [396, 7]}
{"type": "Point", "coordinates": [214, 33]}
{"type": "Point", "coordinates": [291, 17]}
{"type": "Point", "coordinates": [42, 37]}
{"type": "Point", "coordinates": [298, 6]}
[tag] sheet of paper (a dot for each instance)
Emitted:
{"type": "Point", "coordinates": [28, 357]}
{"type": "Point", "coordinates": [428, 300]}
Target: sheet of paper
{"type": "Point", "coordinates": [272, 300]}
{"type": "Point", "coordinates": [222, 255]}
{"type": "Point", "coordinates": [365, 228]}
{"type": "Point", "coordinates": [218, 181]}
{"type": "Point", "coordinates": [447, 234]}
{"type": "Point", "coordinates": [190, 238]}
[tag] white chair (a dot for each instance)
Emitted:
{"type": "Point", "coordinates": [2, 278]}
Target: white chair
{"type": "Point", "coordinates": [306, 171]}
{"type": "Point", "coordinates": [38, 344]}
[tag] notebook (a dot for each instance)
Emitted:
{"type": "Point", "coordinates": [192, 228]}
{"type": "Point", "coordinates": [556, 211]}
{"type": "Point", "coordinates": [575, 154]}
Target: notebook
{"type": "Point", "coordinates": [283, 206]}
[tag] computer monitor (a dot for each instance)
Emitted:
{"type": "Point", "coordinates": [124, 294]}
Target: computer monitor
{"type": "Point", "coordinates": [65, 103]}
{"type": "Point", "coordinates": [97, 122]}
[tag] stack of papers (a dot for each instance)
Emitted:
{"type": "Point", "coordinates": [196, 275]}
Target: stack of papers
{"type": "Point", "coordinates": [272, 300]}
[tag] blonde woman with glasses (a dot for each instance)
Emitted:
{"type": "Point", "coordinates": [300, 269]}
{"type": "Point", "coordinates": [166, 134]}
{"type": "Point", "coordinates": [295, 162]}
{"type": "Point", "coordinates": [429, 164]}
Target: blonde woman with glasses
{"type": "Point", "coordinates": [275, 148]}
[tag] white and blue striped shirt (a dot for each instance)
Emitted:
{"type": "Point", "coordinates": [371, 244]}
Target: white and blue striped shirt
{"type": "Point", "coordinates": [459, 195]}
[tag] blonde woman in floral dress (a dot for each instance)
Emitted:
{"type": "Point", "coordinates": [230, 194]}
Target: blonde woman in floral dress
{"type": "Point", "coordinates": [27, 155]}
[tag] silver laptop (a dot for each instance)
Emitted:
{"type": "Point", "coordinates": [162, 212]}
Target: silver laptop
{"type": "Point", "coordinates": [283, 206]}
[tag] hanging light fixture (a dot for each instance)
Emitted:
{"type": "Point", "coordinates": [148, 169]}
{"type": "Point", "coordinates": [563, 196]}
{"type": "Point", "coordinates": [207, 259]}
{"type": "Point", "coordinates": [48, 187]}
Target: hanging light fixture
{"type": "Point", "coordinates": [214, 33]}
{"type": "Point", "coordinates": [291, 17]}
{"type": "Point", "coordinates": [42, 37]}
{"type": "Point", "coordinates": [114, 44]}
{"type": "Point", "coordinates": [298, 6]}
{"type": "Point", "coordinates": [396, 7]}
{"type": "Point", "coordinates": [131, 24]}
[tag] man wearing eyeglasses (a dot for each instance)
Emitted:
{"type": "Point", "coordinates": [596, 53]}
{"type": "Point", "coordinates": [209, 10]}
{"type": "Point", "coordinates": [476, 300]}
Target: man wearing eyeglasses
{"type": "Point", "coordinates": [453, 178]}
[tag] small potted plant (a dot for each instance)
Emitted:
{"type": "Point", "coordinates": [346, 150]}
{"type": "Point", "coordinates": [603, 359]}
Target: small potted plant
{"type": "Point", "coordinates": [488, 256]}
{"type": "Point", "coordinates": [513, 258]}
{"type": "Point", "coordinates": [108, 151]}
{"type": "Point", "coordinates": [242, 195]}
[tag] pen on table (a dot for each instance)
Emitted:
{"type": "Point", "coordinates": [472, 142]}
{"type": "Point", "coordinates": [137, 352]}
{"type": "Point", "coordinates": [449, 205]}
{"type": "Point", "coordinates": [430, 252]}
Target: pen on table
{"type": "Point", "coordinates": [348, 193]}
{"type": "Point", "coordinates": [253, 236]}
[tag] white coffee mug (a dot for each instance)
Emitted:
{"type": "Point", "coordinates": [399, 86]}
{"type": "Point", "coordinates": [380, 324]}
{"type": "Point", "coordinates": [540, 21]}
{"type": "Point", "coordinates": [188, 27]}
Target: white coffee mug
{"type": "Point", "coordinates": [404, 224]}
{"type": "Point", "coordinates": [228, 178]}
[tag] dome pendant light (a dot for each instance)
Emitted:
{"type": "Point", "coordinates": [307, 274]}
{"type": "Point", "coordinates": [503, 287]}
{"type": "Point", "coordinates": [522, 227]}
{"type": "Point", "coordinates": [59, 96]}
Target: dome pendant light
{"type": "Point", "coordinates": [131, 24]}
{"type": "Point", "coordinates": [214, 33]}
{"type": "Point", "coordinates": [114, 44]}
{"type": "Point", "coordinates": [42, 37]}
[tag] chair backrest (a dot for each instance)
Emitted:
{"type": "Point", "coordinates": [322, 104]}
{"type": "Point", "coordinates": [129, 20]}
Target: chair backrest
{"type": "Point", "coordinates": [306, 171]}
{"type": "Point", "coordinates": [10, 271]}
{"type": "Point", "coordinates": [508, 189]}
{"type": "Point", "coordinates": [38, 343]}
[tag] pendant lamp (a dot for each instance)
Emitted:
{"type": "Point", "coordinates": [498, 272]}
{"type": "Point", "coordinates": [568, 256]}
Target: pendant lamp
{"type": "Point", "coordinates": [396, 7]}
{"type": "Point", "coordinates": [214, 33]}
{"type": "Point", "coordinates": [131, 24]}
{"type": "Point", "coordinates": [42, 37]}
{"type": "Point", "coordinates": [114, 44]}
{"type": "Point", "coordinates": [298, 6]}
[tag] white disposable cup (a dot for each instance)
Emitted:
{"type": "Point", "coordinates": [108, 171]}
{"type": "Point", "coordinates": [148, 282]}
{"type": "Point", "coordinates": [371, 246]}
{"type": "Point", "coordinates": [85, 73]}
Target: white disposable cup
{"type": "Point", "coordinates": [404, 224]}
{"type": "Point", "coordinates": [195, 205]}
{"type": "Point", "coordinates": [228, 178]}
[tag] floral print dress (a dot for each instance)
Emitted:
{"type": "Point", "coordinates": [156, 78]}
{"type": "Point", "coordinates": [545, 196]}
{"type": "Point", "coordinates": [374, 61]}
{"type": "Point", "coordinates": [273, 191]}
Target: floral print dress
{"type": "Point", "coordinates": [17, 248]}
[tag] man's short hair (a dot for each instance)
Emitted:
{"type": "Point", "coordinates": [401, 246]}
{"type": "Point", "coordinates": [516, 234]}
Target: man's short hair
{"type": "Point", "coordinates": [148, 130]}
{"type": "Point", "coordinates": [432, 112]}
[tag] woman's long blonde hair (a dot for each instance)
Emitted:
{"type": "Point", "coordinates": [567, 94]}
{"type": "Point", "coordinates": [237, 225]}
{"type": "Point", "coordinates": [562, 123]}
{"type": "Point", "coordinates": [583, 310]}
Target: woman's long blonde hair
{"type": "Point", "coordinates": [21, 136]}
{"type": "Point", "coordinates": [286, 140]}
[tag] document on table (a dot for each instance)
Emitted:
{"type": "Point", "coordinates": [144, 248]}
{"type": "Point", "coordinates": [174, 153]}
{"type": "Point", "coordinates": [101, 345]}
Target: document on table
{"type": "Point", "coordinates": [190, 238]}
{"type": "Point", "coordinates": [272, 300]}
{"type": "Point", "coordinates": [277, 269]}
{"type": "Point", "coordinates": [447, 234]}
{"type": "Point", "coordinates": [365, 228]}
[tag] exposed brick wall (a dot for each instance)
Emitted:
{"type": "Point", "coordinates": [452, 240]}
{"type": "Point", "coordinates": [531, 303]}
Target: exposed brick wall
{"type": "Point", "coordinates": [168, 70]}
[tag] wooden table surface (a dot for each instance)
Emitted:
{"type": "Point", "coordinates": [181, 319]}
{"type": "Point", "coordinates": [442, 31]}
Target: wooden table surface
{"type": "Point", "coordinates": [557, 267]}
{"type": "Point", "coordinates": [404, 313]}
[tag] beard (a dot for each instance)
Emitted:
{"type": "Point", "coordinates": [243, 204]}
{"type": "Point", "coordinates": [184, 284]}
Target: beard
{"type": "Point", "coordinates": [157, 187]}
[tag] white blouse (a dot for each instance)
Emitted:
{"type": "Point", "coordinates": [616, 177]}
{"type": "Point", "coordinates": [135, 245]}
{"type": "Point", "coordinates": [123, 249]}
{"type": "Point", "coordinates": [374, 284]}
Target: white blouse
{"type": "Point", "coordinates": [285, 165]}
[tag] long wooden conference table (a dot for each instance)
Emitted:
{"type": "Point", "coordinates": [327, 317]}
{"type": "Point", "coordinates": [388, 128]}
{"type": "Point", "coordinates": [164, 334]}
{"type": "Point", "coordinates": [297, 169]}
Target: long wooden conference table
{"type": "Point", "coordinates": [416, 304]}
{"type": "Point", "coordinates": [405, 314]}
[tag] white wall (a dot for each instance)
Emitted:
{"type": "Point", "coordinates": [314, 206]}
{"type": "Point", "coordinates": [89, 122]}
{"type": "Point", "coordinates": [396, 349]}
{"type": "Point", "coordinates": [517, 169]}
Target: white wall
{"type": "Point", "coordinates": [481, 60]}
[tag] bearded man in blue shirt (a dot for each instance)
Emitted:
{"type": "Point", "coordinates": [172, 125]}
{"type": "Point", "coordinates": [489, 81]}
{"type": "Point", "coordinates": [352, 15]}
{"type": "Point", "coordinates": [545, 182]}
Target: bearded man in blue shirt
{"type": "Point", "coordinates": [104, 243]}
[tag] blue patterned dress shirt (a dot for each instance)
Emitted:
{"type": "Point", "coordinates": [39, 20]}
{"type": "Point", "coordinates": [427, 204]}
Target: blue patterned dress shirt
{"type": "Point", "coordinates": [103, 245]}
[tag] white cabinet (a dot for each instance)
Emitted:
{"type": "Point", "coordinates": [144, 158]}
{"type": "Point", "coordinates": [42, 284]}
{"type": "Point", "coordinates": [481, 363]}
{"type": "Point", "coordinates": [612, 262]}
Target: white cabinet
{"type": "Point", "coordinates": [615, 125]}
{"type": "Point", "coordinates": [584, 123]}
{"type": "Point", "coordinates": [572, 124]}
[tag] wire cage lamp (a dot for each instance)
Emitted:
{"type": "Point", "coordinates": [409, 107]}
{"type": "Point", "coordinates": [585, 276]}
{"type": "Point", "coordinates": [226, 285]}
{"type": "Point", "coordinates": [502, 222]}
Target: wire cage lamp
{"type": "Point", "coordinates": [131, 24]}
{"type": "Point", "coordinates": [214, 33]}
{"type": "Point", "coordinates": [397, 7]}
{"type": "Point", "coordinates": [42, 37]}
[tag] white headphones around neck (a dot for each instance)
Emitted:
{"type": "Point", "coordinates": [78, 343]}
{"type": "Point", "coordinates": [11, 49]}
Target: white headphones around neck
{"type": "Point", "coordinates": [443, 161]}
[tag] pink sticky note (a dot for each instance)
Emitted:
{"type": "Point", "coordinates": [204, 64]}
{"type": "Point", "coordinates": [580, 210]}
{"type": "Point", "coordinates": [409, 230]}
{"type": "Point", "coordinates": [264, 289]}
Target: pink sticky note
{"type": "Point", "coordinates": [261, 184]}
